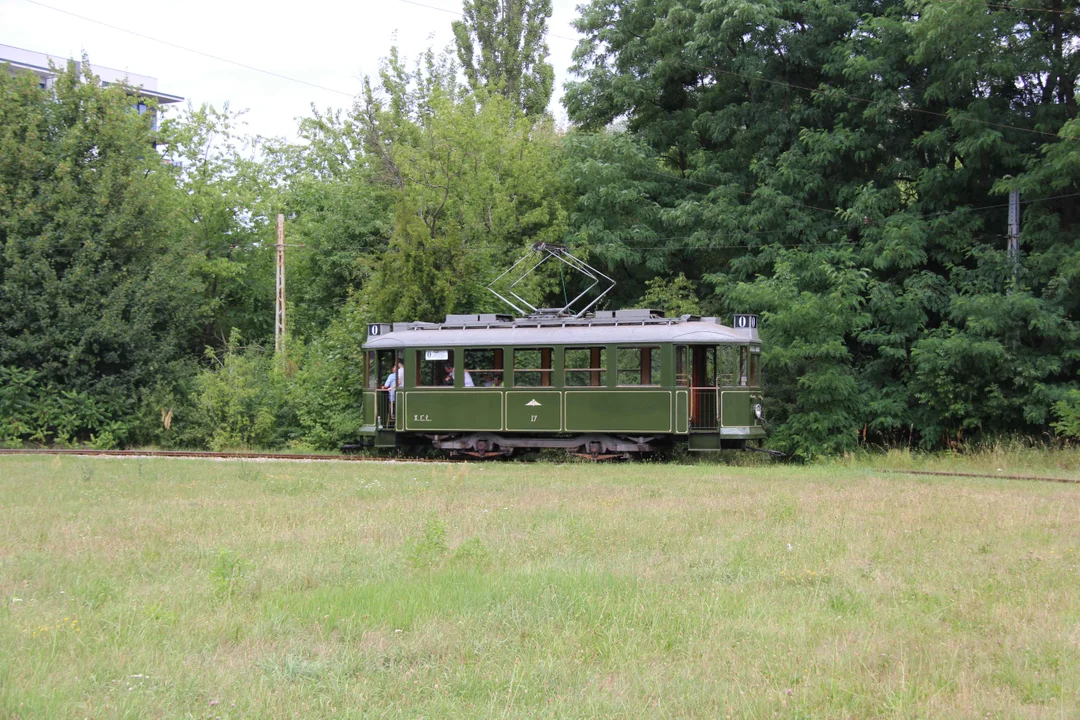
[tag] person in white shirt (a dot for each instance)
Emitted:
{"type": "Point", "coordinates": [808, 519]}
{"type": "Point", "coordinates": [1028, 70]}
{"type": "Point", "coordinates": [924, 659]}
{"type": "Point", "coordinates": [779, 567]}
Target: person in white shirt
{"type": "Point", "coordinates": [394, 380]}
{"type": "Point", "coordinates": [468, 378]}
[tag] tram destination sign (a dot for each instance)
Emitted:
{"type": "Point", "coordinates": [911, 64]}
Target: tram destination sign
{"type": "Point", "coordinates": [745, 322]}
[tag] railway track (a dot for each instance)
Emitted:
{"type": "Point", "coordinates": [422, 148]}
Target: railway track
{"type": "Point", "coordinates": [295, 457]}
{"type": "Point", "coordinates": [299, 457]}
{"type": "Point", "coordinates": [1068, 481]}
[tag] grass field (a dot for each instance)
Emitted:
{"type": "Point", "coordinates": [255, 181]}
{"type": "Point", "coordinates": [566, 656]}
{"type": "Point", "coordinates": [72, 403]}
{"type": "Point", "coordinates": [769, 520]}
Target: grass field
{"type": "Point", "coordinates": [192, 588]}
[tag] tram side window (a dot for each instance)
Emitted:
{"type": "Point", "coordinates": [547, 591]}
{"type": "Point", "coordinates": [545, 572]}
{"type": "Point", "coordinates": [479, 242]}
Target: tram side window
{"type": "Point", "coordinates": [682, 370]}
{"type": "Point", "coordinates": [380, 367]}
{"type": "Point", "coordinates": [743, 365]}
{"type": "Point", "coordinates": [532, 367]}
{"type": "Point", "coordinates": [638, 365]}
{"type": "Point", "coordinates": [725, 366]}
{"type": "Point", "coordinates": [433, 367]}
{"type": "Point", "coordinates": [485, 366]}
{"type": "Point", "coordinates": [586, 367]}
{"type": "Point", "coordinates": [372, 382]}
{"type": "Point", "coordinates": [755, 367]}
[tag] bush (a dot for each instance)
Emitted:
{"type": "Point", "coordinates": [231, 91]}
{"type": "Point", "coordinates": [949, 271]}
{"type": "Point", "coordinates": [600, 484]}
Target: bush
{"type": "Point", "coordinates": [36, 411]}
{"type": "Point", "coordinates": [1067, 412]}
{"type": "Point", "coordinates": [240, 401]}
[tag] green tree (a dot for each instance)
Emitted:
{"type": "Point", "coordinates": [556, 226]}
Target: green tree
{"type": "Point", "coordinates": [95, 287]}
{"type": "Point", "coordinates": [473, 183]}
{"type": "Point", "coordinates": [501, 47]}
{"type": "Point", "coordinates": [226, 206]}
{"type": "Point", "coordinates": [718, 136]}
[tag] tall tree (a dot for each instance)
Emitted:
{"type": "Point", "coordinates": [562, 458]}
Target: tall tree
{"type": "Point", "coordinates": [96, 288]}
{"type": "Point", "coordinates": [473, 182]}
{"type": "Point", "coordinates": [501, 46]}
{"type": "Point", "coordinates": [781, 151]}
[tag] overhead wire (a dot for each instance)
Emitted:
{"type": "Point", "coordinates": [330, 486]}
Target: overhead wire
{"type": "Point", "coordinates": [712, 69]}
{"type": "Point", "coordinates": [178, 46]}
{"type": "Point", "coordinates": [708, 68]}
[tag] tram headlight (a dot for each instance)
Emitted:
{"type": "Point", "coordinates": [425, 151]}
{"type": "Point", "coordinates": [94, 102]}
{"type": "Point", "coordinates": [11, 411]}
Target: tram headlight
{"type": "Point", "coordinates": [757, 410]}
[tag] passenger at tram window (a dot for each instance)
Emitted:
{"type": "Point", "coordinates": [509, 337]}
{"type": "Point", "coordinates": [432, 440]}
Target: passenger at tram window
{"type": "Point", "coordinates": [485, 365]}
{"type": "Point", "coordinates": [395, 379]}
{"type": "Point", "coordinates": [468, 378]}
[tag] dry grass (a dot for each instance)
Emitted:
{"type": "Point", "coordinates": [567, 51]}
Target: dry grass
{"type": "Point", "coordinates": [187, 588]}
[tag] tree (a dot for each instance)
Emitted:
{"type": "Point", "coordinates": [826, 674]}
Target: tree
{"type": "Point", "coordinates": [473, 183]}
{"type": "Point", "coordinates": [885, 133]}
{"type": "Point", "coordinates": [226, 204]}
{"type": "Point", "coordinates": [501, 47]}
{"type": "Point", "coordinates": [95, 292]}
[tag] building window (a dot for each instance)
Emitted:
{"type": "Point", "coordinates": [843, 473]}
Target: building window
{"type": "Point", "coordinates": [532, 367]}
{"type": "Point", "coordinates": [586, 367]}
{"type": "Point", "coordinates": [638, 365]}
{"type": "Point", "coordinates": [484, 366]}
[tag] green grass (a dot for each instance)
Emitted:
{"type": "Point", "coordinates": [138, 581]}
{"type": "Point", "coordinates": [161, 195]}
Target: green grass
{"type": "Point", "coordinates": [144, 588]}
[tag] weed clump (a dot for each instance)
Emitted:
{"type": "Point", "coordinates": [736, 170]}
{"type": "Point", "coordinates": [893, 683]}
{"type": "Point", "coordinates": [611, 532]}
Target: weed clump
{"type": "Point", "coordinates": [426, 550]}
{"type": "Point", "coordinates": [228, 570]}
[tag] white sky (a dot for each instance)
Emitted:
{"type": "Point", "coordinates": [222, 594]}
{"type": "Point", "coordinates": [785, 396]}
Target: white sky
{"type": "Point", "coordinates": [332, 44]}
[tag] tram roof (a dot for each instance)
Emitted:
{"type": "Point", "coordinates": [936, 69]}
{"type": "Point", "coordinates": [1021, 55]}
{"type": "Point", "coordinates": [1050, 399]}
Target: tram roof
{"type": "Point", "coordinates": [486, 331]}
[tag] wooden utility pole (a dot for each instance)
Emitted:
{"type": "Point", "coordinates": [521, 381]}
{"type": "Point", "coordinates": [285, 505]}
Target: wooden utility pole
{"type": "Point", "coordinates": [279, 310]}
{"type": "Point", "coordinates": [279, 315]}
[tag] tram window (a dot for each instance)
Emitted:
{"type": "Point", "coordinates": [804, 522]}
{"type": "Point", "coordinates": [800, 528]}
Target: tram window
{"type": "Point", "coordinates": [380, 367]}
{"type": "Point", "coordinates": [372, 371]}
{"type": "Point", "coordinates": [485, 366]}
{"type": "Point", "coordinates": [682, 370]}
{"type": "Point", "coordinates": [743, 365]}
{"type": "Point", "coordinates": [726, 370]}
{"type": "Point", "coordinates": [586, 367]}
{"type": "Point", "coordinates": [755, 368]}
{"type": "Point", "coordinates": [703, 366]}
{"type": "Point", "coordinates": [532, 367]}
{"type": "Point", "coordinates": [638, 365]}
{"type": "Point", "coordinates": [433, 367]}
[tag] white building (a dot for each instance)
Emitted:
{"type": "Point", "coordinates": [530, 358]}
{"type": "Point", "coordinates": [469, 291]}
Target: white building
{"type": "Point", "coordinates": [46, 66]}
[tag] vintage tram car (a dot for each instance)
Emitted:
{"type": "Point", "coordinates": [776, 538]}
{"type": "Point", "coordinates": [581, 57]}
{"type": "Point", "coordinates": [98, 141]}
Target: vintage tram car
{"type": "Point", "coordinates": [608, 384]}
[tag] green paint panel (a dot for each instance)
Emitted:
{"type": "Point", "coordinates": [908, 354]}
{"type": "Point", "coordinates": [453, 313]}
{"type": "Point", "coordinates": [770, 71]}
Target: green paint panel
{"type": "Point", "coordinates": [735, 408]}
{"type": "Point", "coordinates": [452, 409]}
{"type": "Point", "coordinates": [369, 408]}
{"type": "Point", "coordinates": [682, 411]}
{"type": "Point", "coordinates": [704, 441]}
{"type": "Point", "coordinates": [528, 410]}
{"type": "Point", "coordinates": [618, 411]}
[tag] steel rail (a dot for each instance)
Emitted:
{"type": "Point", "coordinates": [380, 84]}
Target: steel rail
{"type": "Point", "coordinates": [294, 457]}
{"type": "Point", "coordinates": [940, 473]}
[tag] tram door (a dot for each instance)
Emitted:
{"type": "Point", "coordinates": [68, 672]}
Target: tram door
{"type": "Point", "coordinates": [704, 395]}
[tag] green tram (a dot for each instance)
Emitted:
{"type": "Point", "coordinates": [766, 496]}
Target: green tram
{"type": "Point", "coordinates": [606, 385]}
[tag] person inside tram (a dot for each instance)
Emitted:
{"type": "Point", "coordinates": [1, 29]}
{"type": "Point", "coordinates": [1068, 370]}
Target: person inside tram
{"type": "Point", "coordinates": [468, 378]}
{"type": "Point", "coordinates": [394, 380]}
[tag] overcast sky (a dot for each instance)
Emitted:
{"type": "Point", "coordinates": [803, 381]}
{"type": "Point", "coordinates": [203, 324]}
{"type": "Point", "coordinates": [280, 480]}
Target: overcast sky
{"type": "Point", "coordinates": [331, 44]}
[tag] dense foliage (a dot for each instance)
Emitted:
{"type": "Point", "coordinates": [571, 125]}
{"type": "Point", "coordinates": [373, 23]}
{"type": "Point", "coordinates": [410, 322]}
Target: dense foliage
{"type": "Point", "coordinates": [840, 168]}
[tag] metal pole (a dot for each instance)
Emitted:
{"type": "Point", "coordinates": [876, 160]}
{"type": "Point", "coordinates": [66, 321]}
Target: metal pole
{"type": "Point", "coordinates": [279, 313]}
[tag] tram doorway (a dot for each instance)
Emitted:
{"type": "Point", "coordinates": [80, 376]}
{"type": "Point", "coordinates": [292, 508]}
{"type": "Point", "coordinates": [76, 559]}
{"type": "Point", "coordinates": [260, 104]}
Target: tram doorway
{"type": "Point", "coordinates": [696, 369]}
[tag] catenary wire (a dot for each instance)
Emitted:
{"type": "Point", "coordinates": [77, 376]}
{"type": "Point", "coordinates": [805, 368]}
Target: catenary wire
{"type": "Point", "coordinates": [191, 50]}
{"type": "Point", "coordinates": [757, 78]}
